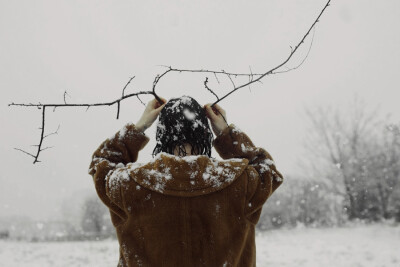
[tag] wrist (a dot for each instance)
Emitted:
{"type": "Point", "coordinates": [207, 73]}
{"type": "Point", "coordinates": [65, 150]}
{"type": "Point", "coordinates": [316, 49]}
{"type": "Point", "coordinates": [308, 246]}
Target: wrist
{"type": "Point", "coordinates": [221, 129]}
{"type": "Point", "coordinates": [140, 126]}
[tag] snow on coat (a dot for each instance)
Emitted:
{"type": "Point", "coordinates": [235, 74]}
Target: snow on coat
{"type": "Point", "coordinates": [184, 211]}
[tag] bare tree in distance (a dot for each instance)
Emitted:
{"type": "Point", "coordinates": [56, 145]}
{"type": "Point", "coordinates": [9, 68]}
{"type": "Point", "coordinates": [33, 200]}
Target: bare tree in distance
{"type": "Point", "coordinates": [308, 202]}
{"type": "Point", "coordinates": [358, 156]}
{"type": "Point", "coordinates": [96, 218]}
{"type": "Point", "coordinates": [339, 143]}
{"type": "Point", "coordinates": [385, 165]}
{"type": "Point", "coordinates": [252, 78]}
{"type": "Point", "coordinates": [395, 129]}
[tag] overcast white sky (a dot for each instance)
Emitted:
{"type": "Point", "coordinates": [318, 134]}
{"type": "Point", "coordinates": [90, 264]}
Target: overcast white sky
{"type": "Point", "coordinates": [91, 48]}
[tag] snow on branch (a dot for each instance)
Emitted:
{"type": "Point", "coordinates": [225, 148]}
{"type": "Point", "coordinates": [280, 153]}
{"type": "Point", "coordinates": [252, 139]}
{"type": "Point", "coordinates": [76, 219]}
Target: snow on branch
{"type": "Point", "coordinates": [252, 78]}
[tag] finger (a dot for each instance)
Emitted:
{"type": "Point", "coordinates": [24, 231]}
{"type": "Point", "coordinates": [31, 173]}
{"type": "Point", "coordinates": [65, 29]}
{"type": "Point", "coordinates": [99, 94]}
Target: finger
{"type": "Point", "coordinates": [210, 112]}
{"type": "Point", "coordinates": [158, 103]}
{"type": "Point", "coordinates": [152, 103]}
{"type": "Point", "coordinates": [158, 109]}
{"type": "Point", "coordinates": [215, 110]}
{"type": "Point", "coordinates": [206, 108]}
{"type": "Point", "coordinates": [221, 110]}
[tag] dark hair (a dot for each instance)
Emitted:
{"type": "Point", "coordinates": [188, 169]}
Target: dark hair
{"type": "Point", "coordinates": [181, 121]}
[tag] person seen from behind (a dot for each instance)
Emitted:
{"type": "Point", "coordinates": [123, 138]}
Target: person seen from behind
{"type": "Point", "coordinates": [184, 207]}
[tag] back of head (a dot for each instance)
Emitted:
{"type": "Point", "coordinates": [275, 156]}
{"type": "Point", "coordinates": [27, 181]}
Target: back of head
{"type": "Point", "coordinates": [183, 121]}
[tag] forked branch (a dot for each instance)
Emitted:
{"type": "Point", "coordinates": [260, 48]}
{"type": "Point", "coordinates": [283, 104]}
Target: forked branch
{"type": "Point", "coordinates": [54, 106]}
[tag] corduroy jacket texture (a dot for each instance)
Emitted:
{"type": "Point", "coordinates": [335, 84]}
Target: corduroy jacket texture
{"type": "Point", "coordinates": [184, 211]}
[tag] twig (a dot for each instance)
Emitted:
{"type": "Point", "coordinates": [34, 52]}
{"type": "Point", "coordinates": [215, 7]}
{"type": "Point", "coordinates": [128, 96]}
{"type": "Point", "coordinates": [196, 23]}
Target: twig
{"type": "Point", "coordinates": [272, 71]}
{"type": "Point", "coordinates": [66, 94]}
{"type": "Point", "coordinates": [56, 132]}
{"type": "Point", "coordinates": [155, 82]}
{"type": "Point", "coordinates": [48, 147]}
{"type": "Point", "coordinates": [304, 59]}
{"type": "Point", "coordinates": [126, 85]}
{"type": "Point", "coordinates": [41, 135]}
{"type": "Point", "coordinates": [216, 77]}
{"type": "Point", "coordinates": [140, 100]}
{"type": "Point", "coordinates": [209, 89]}
{"type": "Point", "coordinates": [212, 72]}
{"type": "Point", "coordinates": [230, 78]}
{"type": "Point", "coordinates": [118, 108]}
{"type": "Point", "coordinates": [250, 77]}
{"type": "Point", "coordinates": [23, 151]}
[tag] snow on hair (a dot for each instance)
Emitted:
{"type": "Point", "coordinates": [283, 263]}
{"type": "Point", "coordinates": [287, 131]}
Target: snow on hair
{"type": "Point", "coordinates": [183, 120]}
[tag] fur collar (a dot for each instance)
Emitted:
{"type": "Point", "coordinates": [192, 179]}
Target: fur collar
{"type": "Point", "coordinates": [186, 176]}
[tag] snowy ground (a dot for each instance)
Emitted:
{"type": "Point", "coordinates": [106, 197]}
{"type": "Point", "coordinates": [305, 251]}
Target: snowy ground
{"type": "Point", "coordinates": [376, 245]}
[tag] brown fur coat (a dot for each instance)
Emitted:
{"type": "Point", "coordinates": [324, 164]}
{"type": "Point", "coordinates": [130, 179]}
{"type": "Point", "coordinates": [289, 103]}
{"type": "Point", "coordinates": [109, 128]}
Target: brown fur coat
{"type": "Point", "coordinates": [184, 211]}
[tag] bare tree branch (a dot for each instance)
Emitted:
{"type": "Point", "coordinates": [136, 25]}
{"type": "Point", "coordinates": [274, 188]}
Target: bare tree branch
{"type": "Point", "coordinates": [216, 77]}
{"type": "Point", "coordinates": [40, 105]}
{"type": "Point", "coordinates": [66, 94]}
{"type": "Point", "coordinates": [272, 71]}
{"type": "Point", "coordinates": [126, 85]}
{"type": "Point", "coordinates": [44, 106]}
{"type": "Point", "coordinates": [209, 89]}
{"type": "Point", "coordinates": [55, 132]}
{"type": "Point", "coordinates": [155, 82]}
{"type": "Point", "coordinates": [41, 135]}
{"type": "Point", "coordinates": [140, 100]}
{"type": "Point", "coordinates": [48, 147]}
{"type": "Point", "coordinates": [23, 151]}
{"type": "Point", "coordinates": [304, 59]}
{"type": "Point", "coordinates": [252, 78]}
{"type": "Point", "coordinates": [230, 78]}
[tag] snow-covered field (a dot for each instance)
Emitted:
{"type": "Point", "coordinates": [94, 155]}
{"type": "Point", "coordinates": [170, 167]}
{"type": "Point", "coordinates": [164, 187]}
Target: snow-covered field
{"type": "Point", "coordinates": [374, 245]}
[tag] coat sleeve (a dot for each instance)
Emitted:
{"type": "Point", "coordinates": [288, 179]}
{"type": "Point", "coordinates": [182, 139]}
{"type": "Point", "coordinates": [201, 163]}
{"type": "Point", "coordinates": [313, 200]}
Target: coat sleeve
{"type": "Point", "coordinates": [110, 159]}
{"type": "Point", "coordinates": [263, 177]}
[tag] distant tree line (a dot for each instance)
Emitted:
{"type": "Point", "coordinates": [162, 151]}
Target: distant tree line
{"type": "Point", "coordinates": [96, 221]}
{"type": "Point", "coordinates": [352, 172]}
